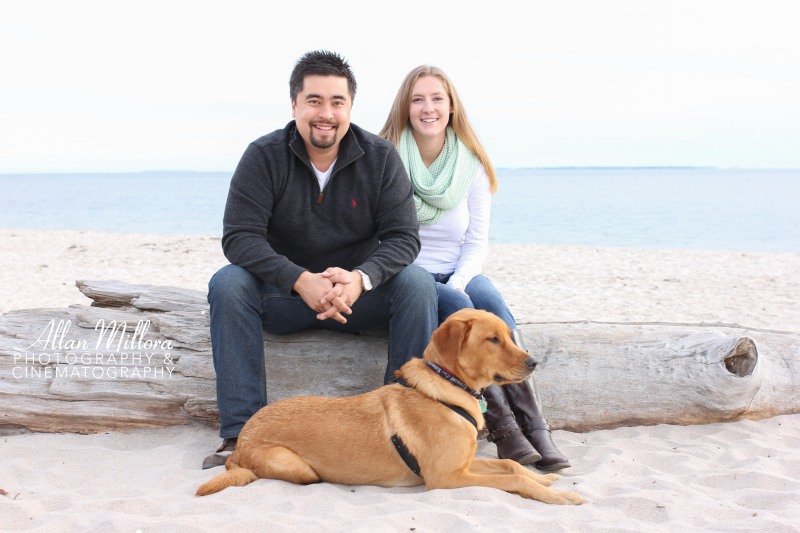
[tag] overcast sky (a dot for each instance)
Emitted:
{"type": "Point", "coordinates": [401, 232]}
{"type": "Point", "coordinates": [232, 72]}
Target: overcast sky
{"type": "Point", "coordinates": [186, 85]}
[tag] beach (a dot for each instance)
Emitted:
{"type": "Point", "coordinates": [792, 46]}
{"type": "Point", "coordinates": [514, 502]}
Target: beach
{"type": "Point", "coordinates": [739, 476]}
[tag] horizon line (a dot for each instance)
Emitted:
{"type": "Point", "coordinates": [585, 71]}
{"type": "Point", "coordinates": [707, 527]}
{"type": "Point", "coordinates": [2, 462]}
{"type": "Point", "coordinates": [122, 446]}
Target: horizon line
{"type": "Point", "coordinates": [555, 167]}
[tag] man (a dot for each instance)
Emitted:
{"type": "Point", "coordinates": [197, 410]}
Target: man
{"type": "Point", "coordinates": [321, 230]}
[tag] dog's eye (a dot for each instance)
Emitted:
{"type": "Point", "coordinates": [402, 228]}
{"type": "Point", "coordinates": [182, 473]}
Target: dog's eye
{"type": "Point", "coordinates": [494, 340]}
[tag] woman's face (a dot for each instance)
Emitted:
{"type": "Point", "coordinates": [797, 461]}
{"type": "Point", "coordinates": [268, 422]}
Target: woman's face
{"type": "Point", "coordinates": [430, 107]}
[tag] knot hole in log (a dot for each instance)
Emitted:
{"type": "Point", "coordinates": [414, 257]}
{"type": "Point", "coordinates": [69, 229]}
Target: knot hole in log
{"type": "Point", "coordinates": [743, 359]}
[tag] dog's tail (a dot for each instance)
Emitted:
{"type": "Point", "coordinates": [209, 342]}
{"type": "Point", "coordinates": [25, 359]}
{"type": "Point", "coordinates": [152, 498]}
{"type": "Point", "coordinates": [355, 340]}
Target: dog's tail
{"type": "Point", "coordinates": [236, 476]}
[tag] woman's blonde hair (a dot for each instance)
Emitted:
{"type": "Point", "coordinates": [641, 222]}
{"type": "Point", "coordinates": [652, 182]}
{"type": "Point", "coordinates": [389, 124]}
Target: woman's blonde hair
{"type": "Point", "coordinates": [398, 117]}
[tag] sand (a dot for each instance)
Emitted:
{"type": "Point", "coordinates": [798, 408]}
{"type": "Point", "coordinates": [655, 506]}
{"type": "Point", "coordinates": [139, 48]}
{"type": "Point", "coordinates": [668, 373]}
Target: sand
{"type": "Point", "coordinates": [741, 476]}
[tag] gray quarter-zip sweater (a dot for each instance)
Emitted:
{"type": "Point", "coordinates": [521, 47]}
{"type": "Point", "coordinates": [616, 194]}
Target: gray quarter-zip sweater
{"type": "Point", "coordinates": [278, 223]}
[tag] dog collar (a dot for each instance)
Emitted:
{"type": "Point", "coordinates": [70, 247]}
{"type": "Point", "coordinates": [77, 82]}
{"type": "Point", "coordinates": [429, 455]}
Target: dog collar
{"type": "Point", "coordinates": [452, 378]}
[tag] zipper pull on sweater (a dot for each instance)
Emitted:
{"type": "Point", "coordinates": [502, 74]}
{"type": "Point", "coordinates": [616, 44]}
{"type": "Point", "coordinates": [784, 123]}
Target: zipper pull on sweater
{"type": "Point", "coordinates": [319, 199]}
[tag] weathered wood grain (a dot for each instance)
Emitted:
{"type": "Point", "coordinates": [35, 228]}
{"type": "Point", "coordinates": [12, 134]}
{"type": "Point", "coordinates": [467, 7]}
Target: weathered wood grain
{"type": "Point", "coordinates": [607, 375]}
{"type": "Point", "coordinates": [61, 370]}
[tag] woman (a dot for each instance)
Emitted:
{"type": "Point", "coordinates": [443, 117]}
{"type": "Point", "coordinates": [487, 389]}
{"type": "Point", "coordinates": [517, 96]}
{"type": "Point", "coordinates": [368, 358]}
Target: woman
{"type": "Point", "coordinates": [453, 181]}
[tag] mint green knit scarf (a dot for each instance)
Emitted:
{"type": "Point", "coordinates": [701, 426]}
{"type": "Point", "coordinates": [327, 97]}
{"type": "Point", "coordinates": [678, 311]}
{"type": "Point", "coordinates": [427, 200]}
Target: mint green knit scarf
{"type": "Point", "coordinates": [440, 187]}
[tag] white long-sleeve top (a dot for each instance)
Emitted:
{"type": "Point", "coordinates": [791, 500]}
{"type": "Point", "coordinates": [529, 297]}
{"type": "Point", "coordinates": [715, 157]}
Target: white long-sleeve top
{"type": "Point", "coordinates": [458, 242]}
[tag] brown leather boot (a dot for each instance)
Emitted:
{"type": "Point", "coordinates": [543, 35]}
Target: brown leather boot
{"type": "Point", "coordinates": [527, 408]}
{"type": "Point", "coordinates": [503, 429]}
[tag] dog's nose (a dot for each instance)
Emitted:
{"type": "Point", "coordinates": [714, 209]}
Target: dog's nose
{"type": "Point", "coordinates": [531, 363]}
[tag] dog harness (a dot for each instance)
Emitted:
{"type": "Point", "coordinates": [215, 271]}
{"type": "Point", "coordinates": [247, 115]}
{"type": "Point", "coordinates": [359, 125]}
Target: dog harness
{"type": "Point", "coordinates": [408, 457]}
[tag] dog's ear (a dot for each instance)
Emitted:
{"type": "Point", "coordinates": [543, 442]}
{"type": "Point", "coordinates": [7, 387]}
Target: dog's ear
{"type": "Point", "coordinates": [448, 339]}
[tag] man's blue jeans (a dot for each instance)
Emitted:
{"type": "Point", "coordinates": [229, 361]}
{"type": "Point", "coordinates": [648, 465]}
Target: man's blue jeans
{"type": "Point", "coordinates": [481, 294]}
{"type": "Point", "coordinates": [242, 305]}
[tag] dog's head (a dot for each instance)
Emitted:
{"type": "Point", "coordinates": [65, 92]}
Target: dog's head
{"type": "Point", "coordinates": [477, 346]}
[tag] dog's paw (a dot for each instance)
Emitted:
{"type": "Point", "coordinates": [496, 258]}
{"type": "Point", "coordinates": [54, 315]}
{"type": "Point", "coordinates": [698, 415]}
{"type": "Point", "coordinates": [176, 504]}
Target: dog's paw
{"type": "Point", "coordinates": [570, 498]}
{"type": "Point", "coordinates": [549, 479]}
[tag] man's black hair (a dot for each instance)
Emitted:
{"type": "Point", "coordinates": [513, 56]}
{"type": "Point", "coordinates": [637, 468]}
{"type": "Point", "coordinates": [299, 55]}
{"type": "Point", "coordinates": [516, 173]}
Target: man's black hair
{"type": "Point", "coordinates": [320, 63]}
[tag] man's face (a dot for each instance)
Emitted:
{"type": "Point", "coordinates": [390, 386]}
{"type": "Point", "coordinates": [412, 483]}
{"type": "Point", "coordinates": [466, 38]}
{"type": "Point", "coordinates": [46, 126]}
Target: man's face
{"type": "Point", "coordinates": [322, 112]}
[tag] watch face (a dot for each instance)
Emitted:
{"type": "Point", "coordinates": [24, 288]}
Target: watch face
{"type": "Point", "coordinates": [366, 283]}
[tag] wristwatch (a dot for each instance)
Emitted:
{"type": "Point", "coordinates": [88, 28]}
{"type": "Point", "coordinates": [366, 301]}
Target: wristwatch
{"type": "Point", "coordinates": [366, 283]}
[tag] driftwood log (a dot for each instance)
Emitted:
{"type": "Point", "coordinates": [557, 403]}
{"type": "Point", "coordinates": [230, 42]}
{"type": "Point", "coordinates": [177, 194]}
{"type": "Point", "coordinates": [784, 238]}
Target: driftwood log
{"type": "Point", "coordinates": [141, 356]}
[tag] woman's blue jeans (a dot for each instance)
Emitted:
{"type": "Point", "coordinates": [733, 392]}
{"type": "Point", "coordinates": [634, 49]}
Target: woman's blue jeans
{"type": "Point", "coordinates": [480, 294]}
{"type": "Point", "coordinates": [242, 306]}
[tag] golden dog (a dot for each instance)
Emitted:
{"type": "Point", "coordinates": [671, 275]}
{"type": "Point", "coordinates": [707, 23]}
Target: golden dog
{"type": "Point", "coordinates": [424, 424]}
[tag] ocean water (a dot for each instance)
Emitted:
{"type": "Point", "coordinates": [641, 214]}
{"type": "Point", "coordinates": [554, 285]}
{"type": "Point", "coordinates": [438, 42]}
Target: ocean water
{"type": "Point", "coordinates": [691, 208]}
{"type": "Point", "coordinates": [687, 208]}
{"type": "Point", "coordinates": [147, 202]}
